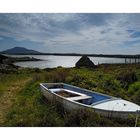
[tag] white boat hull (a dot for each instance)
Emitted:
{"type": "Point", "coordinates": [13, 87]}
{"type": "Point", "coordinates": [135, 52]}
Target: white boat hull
{"type": "Point", "coordinates": [72, 105]}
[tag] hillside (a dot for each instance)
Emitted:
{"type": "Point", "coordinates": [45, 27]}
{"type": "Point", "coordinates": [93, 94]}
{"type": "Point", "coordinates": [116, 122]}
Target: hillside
{"type": "Point", "coordinates": [20, 50]}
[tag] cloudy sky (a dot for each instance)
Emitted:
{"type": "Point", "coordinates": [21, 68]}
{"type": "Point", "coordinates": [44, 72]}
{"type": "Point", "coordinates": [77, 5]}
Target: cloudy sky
{"type": "Point", "coordinates": [78, 33]}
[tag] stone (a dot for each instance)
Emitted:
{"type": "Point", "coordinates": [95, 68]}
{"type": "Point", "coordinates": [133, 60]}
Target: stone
{"type": "Point", "coordinates": [84, 61]}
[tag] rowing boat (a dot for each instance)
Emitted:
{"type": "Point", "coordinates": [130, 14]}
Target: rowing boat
{"type": "Point", "coordinates": [72, 97]}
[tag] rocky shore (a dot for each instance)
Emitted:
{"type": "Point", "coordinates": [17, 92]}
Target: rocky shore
{"type": "Point", "coordinates": [6, 63]}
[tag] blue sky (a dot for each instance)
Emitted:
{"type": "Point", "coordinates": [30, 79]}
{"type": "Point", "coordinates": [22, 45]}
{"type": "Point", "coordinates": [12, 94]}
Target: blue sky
{"type": "Point", "coordinates": [78, 33]}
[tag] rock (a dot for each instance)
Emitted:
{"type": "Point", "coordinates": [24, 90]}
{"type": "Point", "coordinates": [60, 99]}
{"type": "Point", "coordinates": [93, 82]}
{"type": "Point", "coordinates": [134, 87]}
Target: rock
{"type": "Point", "coordinates": [2, 57]}
{"type": "Point", "coordinates": [84, 61]}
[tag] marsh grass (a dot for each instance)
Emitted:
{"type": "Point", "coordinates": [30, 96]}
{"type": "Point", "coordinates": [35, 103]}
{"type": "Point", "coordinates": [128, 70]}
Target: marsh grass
{"type": "Point", "coordinates": [30, 108]}
{"type": "Point", "coordinates": [10, 85]}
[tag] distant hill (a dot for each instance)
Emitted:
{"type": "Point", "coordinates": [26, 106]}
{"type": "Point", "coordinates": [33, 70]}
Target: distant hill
{"type": "Point", "coordinates": [20, 50]}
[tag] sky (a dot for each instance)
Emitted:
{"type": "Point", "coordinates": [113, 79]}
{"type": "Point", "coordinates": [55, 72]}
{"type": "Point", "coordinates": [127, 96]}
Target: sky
{"type": "Point", "coordinates": [94, 33]}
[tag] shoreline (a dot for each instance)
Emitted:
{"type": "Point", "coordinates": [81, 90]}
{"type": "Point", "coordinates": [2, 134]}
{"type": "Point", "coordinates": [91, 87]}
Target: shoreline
{"type": "Point", "coordinates": [9, 63]}
{"type": "Point", "coordinates": [79, 54]}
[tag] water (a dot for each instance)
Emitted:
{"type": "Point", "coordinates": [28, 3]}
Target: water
{"type": "Point", "coordinates": [51, 61]}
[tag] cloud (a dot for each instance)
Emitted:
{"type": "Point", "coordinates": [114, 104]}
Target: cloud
{"type": "Point", "coordinates": [1, 38]}
{"type": "Point", "coordinates": [82, 32]}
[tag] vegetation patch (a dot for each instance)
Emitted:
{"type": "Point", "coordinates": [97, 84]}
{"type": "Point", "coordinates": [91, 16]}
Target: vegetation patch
{"type": "Point", "coordinates": [29, 108]}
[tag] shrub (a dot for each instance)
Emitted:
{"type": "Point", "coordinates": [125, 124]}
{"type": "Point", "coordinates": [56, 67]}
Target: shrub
{"type": "Point", "coordinates": [126, 78]}
{"type": "Point", "coordinates": [58, 75]}
{"type": "Point", "coordinates": [81, 118]}
{"type": "Point", "coordinates": [134, 88]}
{"type": "Point", "coordinates": [134, 92]}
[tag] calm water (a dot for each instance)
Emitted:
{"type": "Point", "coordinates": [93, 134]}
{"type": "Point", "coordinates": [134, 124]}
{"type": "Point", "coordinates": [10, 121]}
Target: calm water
{"type": "Point", "coordinates": [52, 61]}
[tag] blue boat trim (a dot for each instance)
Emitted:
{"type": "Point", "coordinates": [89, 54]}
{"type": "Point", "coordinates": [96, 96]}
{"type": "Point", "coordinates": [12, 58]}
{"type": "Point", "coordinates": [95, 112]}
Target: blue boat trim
{"type": "Point", "coordinates": [103, 101]}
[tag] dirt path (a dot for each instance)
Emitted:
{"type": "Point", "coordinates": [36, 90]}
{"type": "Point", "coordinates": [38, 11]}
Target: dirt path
{"type": "Point", "coordinates": [8, 98]}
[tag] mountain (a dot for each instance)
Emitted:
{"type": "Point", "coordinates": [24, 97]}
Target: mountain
{"type": "Point", "coordinates": [20, 50]}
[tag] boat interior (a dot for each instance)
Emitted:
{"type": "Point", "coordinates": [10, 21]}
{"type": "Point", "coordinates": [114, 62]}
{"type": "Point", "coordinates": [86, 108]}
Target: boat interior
{"type": "Point", "coordinates": [77, 94]}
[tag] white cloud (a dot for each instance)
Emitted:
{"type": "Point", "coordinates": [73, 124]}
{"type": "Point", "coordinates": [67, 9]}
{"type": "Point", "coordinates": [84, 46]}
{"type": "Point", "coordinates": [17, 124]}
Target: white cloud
{"type": "Point", "coordinates": [72, 30]}
{"type": "Point", "coordinates": [1, 38]}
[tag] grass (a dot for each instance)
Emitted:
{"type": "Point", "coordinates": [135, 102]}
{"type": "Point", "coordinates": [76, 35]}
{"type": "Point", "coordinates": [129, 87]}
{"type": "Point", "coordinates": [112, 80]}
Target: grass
{"type": "Point", "coordinates": [10, 85]}
{"type": "Point", "coordinates": [30, 110]}
{"type": "Point", "coordinates": [27, 107]}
